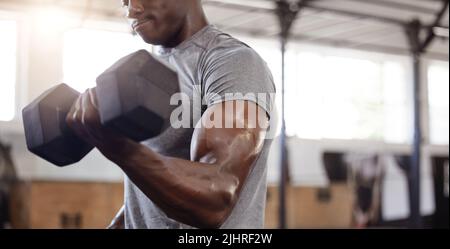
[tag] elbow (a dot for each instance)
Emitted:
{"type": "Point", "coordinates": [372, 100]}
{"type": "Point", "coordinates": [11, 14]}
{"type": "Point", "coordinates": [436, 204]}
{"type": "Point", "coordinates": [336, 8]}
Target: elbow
{"type": "Point", "coordinates": [210, 216]}
{"type": "Point", "coordinates": [213, 207]}
{"type": "Point", "coordinates": [215, 218]}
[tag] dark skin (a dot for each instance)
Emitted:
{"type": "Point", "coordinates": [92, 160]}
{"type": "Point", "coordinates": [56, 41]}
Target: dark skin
{"type": "Point", "coordinates": [167, 23]}
{"type": "Point", "coordinates": [200, 192]}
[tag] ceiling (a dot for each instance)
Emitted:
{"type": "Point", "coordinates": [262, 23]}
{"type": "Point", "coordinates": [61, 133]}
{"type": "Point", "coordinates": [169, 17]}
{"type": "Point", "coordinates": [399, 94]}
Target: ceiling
{"type": "Point", "coordinates": [374, 25]}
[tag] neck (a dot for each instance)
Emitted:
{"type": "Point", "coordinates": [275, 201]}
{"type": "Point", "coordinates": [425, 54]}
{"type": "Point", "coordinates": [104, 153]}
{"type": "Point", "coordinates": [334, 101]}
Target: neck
{"type": "Point", "coordinates": [193, 23]}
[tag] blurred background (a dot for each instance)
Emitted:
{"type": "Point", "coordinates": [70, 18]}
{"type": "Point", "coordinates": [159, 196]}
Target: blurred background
{"type": "Point", "coordinates": [366, 108]}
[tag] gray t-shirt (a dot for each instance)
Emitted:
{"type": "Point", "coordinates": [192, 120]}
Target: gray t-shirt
{"type": "Point", "coordinates": [210, 65]}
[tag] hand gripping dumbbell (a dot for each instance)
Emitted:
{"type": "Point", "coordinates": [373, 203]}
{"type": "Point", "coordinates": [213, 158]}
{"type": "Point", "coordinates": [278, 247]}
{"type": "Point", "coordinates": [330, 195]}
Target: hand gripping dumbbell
{"type": "Point", "coordinates": [133, 99]}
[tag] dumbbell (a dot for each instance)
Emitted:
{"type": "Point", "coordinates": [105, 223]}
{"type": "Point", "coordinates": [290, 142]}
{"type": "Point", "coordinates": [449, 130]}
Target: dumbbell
{"type": "Point", "coordinates": [133, 100]}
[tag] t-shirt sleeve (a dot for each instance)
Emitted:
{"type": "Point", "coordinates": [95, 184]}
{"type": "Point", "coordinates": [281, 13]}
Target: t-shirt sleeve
{"type": "Point", "coordinates": [238, 74]}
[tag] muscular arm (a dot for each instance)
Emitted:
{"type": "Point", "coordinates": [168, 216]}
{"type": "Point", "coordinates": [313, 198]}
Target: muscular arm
{"type": "Point", "coordinates": [201, 192]}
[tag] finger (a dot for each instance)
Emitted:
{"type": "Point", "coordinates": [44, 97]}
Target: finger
{"type": "Point", "coordinates": [93, 110]}
{"type": "Point", "coordinates": [73, 114]}
{"type": "Point", "coordinates": [93, 97]}
{"type": "Point", "coordinates": [84, 108]}
{"type": "Point", "coordinates": [78, 119]}
{"type": "Point", "coordinates": [77, 115]}
{"type": "Point", "coordinates": [69, 118]}
{"type": "Point", "coordinates": [94, 101]}
{"type": "Point", "coordinates": [74, 118]}
{"type": "Point", "coordinates": [98, 132]}
{"type": "Point", "coordinates": [94, 114]}
{"type": "Point", "coordinates": [89, 117]}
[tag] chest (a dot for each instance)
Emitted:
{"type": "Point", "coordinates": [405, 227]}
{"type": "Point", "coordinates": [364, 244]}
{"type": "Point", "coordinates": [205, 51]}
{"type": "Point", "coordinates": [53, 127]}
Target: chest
{"type": "Point", "coordinates": [176, 140]}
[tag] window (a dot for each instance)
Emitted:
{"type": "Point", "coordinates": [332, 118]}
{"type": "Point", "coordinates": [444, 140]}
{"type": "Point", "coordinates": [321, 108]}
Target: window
{"type": "Point", "coordinates": [273, 58]}
{"type": "Point", "coordinates": [8, 54]}
{"type": "Point", "coordinates": [438, 96]}
{"type": "Point", "coordinates": [343, 97]}
{"type": "Point", "coordinates": [89, 52]}
{"type": "Point", "coordinates": [349, 98]}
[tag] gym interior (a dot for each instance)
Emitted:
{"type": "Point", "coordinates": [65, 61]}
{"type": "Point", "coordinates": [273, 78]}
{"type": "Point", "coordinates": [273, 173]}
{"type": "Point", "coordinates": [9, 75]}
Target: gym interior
{"type": "Point", "coordinates": [362, 109]}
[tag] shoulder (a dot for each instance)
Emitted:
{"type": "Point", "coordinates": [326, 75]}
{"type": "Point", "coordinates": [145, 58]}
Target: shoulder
{"type": "Point", "coordinates": [224, 46]}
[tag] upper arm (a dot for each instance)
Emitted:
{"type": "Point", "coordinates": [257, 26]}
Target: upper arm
{"type": "Point", "coordinates": [230, 136]}
{"type": "Point", "coordinates": [238, 89]}
{"type": "Point", "coordinates": [233, 76]}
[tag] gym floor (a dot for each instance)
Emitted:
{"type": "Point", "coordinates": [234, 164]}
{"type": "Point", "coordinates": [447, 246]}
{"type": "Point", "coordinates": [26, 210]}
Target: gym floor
{"type": "Point", "coordinates": [363, 94]}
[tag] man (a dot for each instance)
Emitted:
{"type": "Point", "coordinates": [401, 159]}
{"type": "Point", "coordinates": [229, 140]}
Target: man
{"type": "Point", "coordinates": [203, 176]}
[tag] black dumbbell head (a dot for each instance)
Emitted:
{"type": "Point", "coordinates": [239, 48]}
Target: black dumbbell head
{"type": "Point", "coordinates": [134, 96]}
{"type": "Point", "coordinates": [46, 131]}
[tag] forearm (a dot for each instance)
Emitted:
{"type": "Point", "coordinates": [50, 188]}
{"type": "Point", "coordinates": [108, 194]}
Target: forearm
{"type": "Point", "coordinates": [201, 192]}
{"type": "Point", "coordinates": [197, 194]}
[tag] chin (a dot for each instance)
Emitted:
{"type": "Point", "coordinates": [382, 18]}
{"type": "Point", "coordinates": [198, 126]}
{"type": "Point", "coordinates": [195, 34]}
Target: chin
{"type": "Point", "coordinates": [159, 38]}
{"type": "Point", "coordinates": [150, 38]}
{"type": "Point", "coordinates": [150, 41]}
